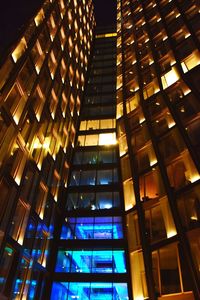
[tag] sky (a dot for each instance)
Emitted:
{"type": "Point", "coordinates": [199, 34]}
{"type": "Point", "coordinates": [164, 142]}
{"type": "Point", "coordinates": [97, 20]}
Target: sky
{"type": "Point", "coordinates": [105, 11]}
{"type": "Point", "coordinates": [15, 13]}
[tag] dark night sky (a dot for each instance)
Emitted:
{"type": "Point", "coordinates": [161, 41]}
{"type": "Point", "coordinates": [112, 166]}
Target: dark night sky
{"type": "Point", "coordinates": [15, 13]}
{"type": "Point", "coordinates": [105, 11]}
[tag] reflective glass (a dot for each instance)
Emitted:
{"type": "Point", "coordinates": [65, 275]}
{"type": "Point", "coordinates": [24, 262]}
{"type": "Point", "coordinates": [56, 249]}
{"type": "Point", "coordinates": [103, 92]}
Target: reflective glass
{"type": "Point", "coordinates": [89, 291]}
{"type": "Point", "coordinates": [91, 261]}
{"type": "Point", "coordinates": [92, 228]}
{"type": "Point", "coordinates": [93, 201]}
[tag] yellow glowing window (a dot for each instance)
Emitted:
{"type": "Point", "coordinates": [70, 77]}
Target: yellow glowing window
{"type": "Point", "coordinates": [107, 139]}
{"type": "Point", "coordinates": [106, 35]}
{"type": "Point", "coordinates": [191, 61]}
{"type": "Point", "coordinates": [169, 78]}
{"type": "Point", "coordinates": [19, 50]}
{"type": "Point", "coordinates": [39, 18]}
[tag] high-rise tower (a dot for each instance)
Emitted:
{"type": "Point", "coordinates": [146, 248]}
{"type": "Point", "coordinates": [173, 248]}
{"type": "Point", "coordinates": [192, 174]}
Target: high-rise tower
{"type": "Point", "coordinates": [100, 163]}
{"type": "Point", "coordinates": [42, 82]}
{"type": "Point", "coordinates": [158, 119]}
{"type": "Point", "coordinates": [91, 256]}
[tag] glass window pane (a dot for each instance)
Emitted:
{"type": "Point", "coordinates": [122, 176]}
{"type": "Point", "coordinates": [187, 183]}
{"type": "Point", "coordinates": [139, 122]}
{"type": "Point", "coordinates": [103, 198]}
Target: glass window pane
{"type": "Point", "coordinates": [104, 177]}
{"type": "Point", "coordinates": [88, 177]}
{"type": "Point", "coordinates": [169, 272]}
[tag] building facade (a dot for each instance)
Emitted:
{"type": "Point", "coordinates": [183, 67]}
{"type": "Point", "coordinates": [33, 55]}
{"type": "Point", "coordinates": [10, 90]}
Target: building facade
{"type": "Point", "coordinates": [159, 128]}
{"type": "Point", "coordinates": [100, 155]}
{"type": "Point", "coordinates": [91, 248]}
{"type": "Point", "coordinates": [42, 82]}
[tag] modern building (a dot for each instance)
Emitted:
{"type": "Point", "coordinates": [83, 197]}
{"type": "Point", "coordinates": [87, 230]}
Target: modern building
{"type": "Point", "coordinates": [42, 82]}
{"type": "Point", "coordinates": [100, 154]}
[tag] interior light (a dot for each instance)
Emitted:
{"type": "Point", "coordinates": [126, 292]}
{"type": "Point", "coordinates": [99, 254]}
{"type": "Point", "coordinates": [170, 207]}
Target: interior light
{"type": "Point", "coordinates": [194, 178]}
{"type": "Point", "coordinates": [107, 139]}
{"type": "Point", "coordinates": [171, 233]}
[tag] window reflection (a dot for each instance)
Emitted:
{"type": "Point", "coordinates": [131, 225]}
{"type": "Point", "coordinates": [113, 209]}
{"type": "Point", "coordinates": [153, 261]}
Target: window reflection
{"type": "Point", "coordinates": [87, 290]}
{"type": "Point", "coordinates": [93, 201]}
{"type": "Point", "coordinates": [91, 261]}
{"type": "Point", "coordinates": [93, 177]}
{"type": "Point", "coordinates": [85, 228]}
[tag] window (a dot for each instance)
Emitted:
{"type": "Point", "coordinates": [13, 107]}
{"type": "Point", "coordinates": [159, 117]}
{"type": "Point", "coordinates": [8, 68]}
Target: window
{"type": "Point", "coordinates": [159, 223]}
{"type": "Point", "coordinates": [97, 139]}
{"type": "Point", "coordinates": [22, 282]}
{"type": "Point", "coordinates": [194, 241]}
{"type": "Point", "coordinates": [169, 271]}
{"type": "Point", "coordinates": [151, 185]}
{"type": "Point", "coordinates": [15, 102]}
{"type": "Point", "coordinates": [170, 78]}
{"type": "Point", "coordinates": [189, 207]}
{"type": "Point", "coordinates": [93, 177]}
{"type": "Point", "coordinates": [19, 50]}
{"type": "Point", "coordinates": [129, 195]}
{"type": "Point", "coordinates": [8, 194]}
{"type": "Point", "coordinates": [138, 275]}
{"type": "Point", "coordinates": [17, 161]}
{"type": "Point", "coordinates": [91, 261]}
{"type": "Point", "coordinates": [93, 201]}
{"type": "Point", "coordinates": [19, 222]}
{"type": "Point", "coordinates": [133, 232]}
{"type": "Point", "coordinates": [5, 71]}
{"type": "Point", "coordinates": [87, 290]}
{"type": "Point", "coordinates": [6, 264]}
{"type": "Point", "coordinates": [97, 228]}
{"type": "Point", "coordinates": [41, 199]}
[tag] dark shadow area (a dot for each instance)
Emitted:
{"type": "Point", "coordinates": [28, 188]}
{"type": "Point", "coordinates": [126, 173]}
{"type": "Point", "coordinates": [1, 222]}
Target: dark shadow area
{"type": "Point", "coordinates": [105, 12]}
{"type": "Point", "coordinates": [13, 16]}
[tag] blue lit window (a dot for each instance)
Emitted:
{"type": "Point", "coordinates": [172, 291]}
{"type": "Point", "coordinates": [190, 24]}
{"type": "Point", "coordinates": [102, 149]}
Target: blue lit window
{"type": "Point", "coordinates": [89, 291]}
{"type": "Point", "coordinates": [93, 201]}
{"type": "Point", "coordinates": [94, 177]}
{"type": "Point", "coordinates": [92, 228]}
{"type": "Point", "coordinates": [91, 261]}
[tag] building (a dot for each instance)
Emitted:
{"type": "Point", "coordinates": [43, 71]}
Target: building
{"type": "Point", "coordinates": [91, 249]}
{"type": "Point", "coordinates": [158, 126]}
{"type": "Point", "coordinates": [100, 157]}
{"type": "Point", "coordinates": [42, 82]}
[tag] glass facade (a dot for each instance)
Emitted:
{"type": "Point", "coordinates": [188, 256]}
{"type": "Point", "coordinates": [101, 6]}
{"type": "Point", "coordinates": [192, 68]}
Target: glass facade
{"type": "Point", "coordinates": [100, 154]}
{"type": "Point", "coordinates": [97, 228]}
{"type": "Point", "coordinates": [42, 79]}
{"type": "Point", "coordinates": [157, 121]}
{"type": "Point", "coordinates": [94, 200]}
{"type": "Point", "coordinates": [89, 290]}
{"type": "Point", "coordinates": [91, 261]}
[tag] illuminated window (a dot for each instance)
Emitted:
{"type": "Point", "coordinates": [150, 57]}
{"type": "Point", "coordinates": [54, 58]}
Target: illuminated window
{"type": "Point", "coordinates": [93, 201]}
{"type": "Point", "coordinates": [87, 228]}
{"type": "Point", "coordinates": [19, 50]}
{"type": "Point", "coordinates": [19, 222]}
{"type": "Point", "coordinates": [138, 275]}
{"type": "Point", "coordinates": [129, 195]}
{"type": "Point", "coordinates": [170, 78]}
{"type": "Point", "coordinates": [191, 61]}
{"type": "Point", "coordinates": [87, 290]}
{"type": "Point", "coordinates": [106, 35]}
{"type": "Point", "coordinates": [91, 261]}
{"type": "Point", "coordinates": [39, 18]}
{"type": "Point", "coordinates": [98, 139]}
